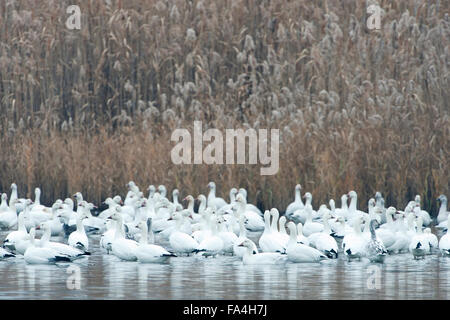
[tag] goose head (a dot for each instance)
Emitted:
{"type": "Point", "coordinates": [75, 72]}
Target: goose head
{"type": "Point", "coordinates": [211, 185]}
{"type": "Point", "coordinates": [352, 195]}
{"type": "Point", "coordinates": [442, 199]}
{"type": "Point", "coordinates": [118, 199]}
{"type": "Point", "coordinates": [298, 187]}
{"type": "Point", "coordinates": [162, 190]}
{"type": "Point", "coordinates": [14, 187]}
{"type": "Point", "coordinates": [243, 192]}
{"type": "Point", "coordinates": [175, 194]}
{"type": "Point", "coordinates": [308, 197]}
{"type": "Point", "coordinates": [417, 199]}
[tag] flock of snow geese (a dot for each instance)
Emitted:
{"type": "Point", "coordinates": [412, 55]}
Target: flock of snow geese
{"type": "Point", "coordinates": [129, 229]}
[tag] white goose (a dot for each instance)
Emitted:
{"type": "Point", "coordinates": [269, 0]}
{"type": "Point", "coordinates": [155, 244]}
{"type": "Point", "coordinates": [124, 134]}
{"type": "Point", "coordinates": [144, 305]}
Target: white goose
{"type": "Point", "coordinates": [78, 239]}
{"type": "Point", "coordinates": [296, 205]}
{"type": "Point", "coordinates": [254, 221]}
{"type": "Point", "coordinates": [311, 227]}
{"type": "Point", "coordinates": [300, 237]}
{"type": "Point", "coordinates": [323, 242]}
{"type": "Point", "coordinates": [239, 250]}
{"type": "Point", "coordinates": [8, 218]}
{"type": "Point", "coordinates": [20, 205]}
{"type": "Point", "coordinates": [60, 248]}
{"type": "Point", "coordinates": [443, 213]}
{"type": "Point", "coordinates": [343, 210]}
{"type": "Point", "coordinates": [37, 206]}
{"type": "Point", "coordinates": [277, 227]}
{"type": "Point", "coordinates": [214, 201]}
{"type": "Point", "coordinates": [228, 237]}
{"type": "Point", "coordinates": [20, 234]}
{"type": "Point", "coordinates": [249, 206]}
{"type": "Point", "coordinates": [354, 244]}
{"type": "Point", "coordinates": [419, 245]}
{"type": "Point", "coordinates": [425, 215]}
{"type": "Point", "coordinates": [42, 255]}
{"type": "Point", "coordinates": [150, 253]}
{"type": "Point", "coordinates": [251, 258]}
{"type": "Point", "coordinates": [402, 239]}
{"type": "Point", "coordinates": [269, 241]}
{"type": "Point", "coordinates": [297, 251]}
{"type": "Point", "coordinates": [181, 242]}
{"type": "Point", "coordinates": [444, 242]}
{"type": "Point", "coordinates": [124, 249]}
{"type": "Point", "coordinates": [213, 244]}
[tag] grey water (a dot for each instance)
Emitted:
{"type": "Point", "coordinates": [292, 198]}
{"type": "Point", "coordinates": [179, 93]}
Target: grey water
{"type": "Point", "coordinates": [104, 276]}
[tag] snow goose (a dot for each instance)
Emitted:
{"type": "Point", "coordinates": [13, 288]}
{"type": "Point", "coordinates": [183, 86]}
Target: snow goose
{"type": "Point", "coordinates": [443, 213]}
{"type": "Point", "coordinates": [343, 210]}
{"type": "Point", "coordinates": [37, 201]}
{"type": "Point", "coordinates": [228, 237]}
{"type": "Point", "coordinates": [20, 205]}
{"type": "Point", "coordinates": [444, 242]}
{"type": "Point", "coordinates": [91, 224]}
{"type": "Point", "coordinates": [162, 191]}
{"type": "Point", "coordinates": [375, 249]}
{"type": "Point", "coordinates": [41, 255]}
{"type": "Point", "coordinates": [419, 245]}
{"type": "Point", "coordinates": [354, 244]}
{"type": "Point", "coordinates": [379, 203]}
{"type": "Point", "coordinates": [150, 253]}
{"type": "Point", "coordinates": [352, 210]}
{"type": "Point", "coordinates": [269, 240]}
{"type": "Point", "coordinates": [194, 216]}
{"type": "Point", "coordinates": [300, 237]}
{"type": "Point", "coordinates": [108, 236]}
{"type": "Point", "coordinates": [230, 207]}
{"type": "Point", "coordinates": [310, 227]}
{"type": "Point", "coordinates": [251, 258]}
{"type": "Point", "coordinates": [105, 214]}
{"type": "Point", "coordinates": [250, 206]}
{"type": "Point", "coordinates": [213, 244]}
{"type": "Point", "coordinates": [297, 251]}
{"type": "Point", "coordinates": [60, 248]}
{"type": "Point", "coordinates": [4, 204]}
{"type": "Point", "coordinates": [283, 238]}
{"type": "Point", "coordinates": [282, 229]}
{"type": "Point", "coordinates": [55, 224]}
{"type": "Point", "coordinates": [124, 249]}
{"type": "Point", "coordinates": [239, 250]}
{"type": "Point", "coordinates": [175, 195]}
{"type": "Point", "coordinates": [212, 199]}
{"type": "Point", "coordinates": [78, 239]}
{"type": "Point", "coordinates": [20, 234]}
{"type": "Point", "coordinates": [402, 239]}
{"type": "Point", "coordinates": [425, 215]}
{"type": "Point", "coordinates": [340, 228]}
{"type": "Point", "coordinates": [387, 235]}
{"type": "Point", "coordinates": [181, 242]}
{"type": "Point", "coordinates": [296, 205]}
{"type": "Point", "coordinates": [254, 221]}
{"type": "Point", "coordinates": [8, 218]}
{"type": "Point", "coordinates": [432, 240]}
{"type": "Point", "coordinates": [323, 242]}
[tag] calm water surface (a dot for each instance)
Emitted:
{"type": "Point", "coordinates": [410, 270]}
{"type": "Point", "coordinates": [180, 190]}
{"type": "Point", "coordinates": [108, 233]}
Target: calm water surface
{"type": "Point", "coordinates": [225, 277]}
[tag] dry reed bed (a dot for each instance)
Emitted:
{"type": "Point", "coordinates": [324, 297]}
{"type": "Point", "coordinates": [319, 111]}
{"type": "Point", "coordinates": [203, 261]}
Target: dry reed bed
{"type": "Point", "coordinates": [89, 110]}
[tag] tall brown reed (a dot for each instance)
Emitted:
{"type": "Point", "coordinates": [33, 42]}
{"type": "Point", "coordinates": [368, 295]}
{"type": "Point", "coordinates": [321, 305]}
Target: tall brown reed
{"type": "Point", "coordinates": [89, 110]}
